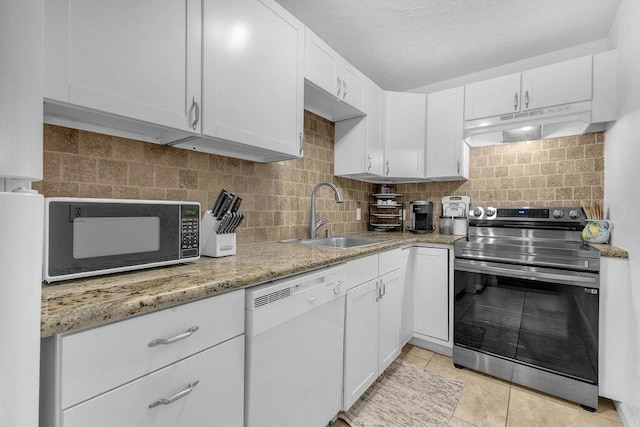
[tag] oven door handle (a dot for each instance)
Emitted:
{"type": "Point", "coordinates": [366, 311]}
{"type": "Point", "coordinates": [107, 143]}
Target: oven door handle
{"type": "Point", "coordinates": [526, 272]}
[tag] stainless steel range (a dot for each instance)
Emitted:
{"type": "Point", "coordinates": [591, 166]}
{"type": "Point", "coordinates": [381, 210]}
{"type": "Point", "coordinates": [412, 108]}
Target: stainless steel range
{"type": "Point", "coordinates": [526, 304]}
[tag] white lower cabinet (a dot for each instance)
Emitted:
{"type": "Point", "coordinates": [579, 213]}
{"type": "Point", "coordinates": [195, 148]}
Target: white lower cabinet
{"type": "Point", "coordinates": [372, 325]}
{"type": "Point", "coordinates": [191, 355]}
{"type": "Point", "coordinates": [203, 390]}
{"type": "Point", "coordinates": [433, 303]}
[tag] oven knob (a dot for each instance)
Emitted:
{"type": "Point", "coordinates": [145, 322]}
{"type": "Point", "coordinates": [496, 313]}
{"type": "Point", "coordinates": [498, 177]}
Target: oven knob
{"type": "Point", "coordinates": [490, 211]}
{"type": "Point", "coordinates": [573, 214]}
{"type": "Point", "coordinates": [477, 212]}
{"type": "Point", "coordinates": [558, 213]}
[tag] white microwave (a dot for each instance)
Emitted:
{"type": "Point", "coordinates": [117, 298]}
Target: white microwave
{"type": "Point", "coordinates": [89, 237]}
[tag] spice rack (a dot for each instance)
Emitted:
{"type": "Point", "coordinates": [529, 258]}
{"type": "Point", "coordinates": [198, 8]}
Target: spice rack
{"type": "Point", "coordinates": [386, 212]}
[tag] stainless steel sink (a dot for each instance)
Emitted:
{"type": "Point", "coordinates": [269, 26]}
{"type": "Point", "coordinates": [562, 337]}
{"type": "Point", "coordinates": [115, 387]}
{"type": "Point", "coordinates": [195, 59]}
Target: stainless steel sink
{"type": "Point", "coordinates": [342, 242]}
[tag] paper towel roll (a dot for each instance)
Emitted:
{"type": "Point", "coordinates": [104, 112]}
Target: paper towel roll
{"type": "Point", "coordinates": [21, 224]}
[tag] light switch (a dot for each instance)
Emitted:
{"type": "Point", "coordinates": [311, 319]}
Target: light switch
{"type": "Point", "coordinates": [358, 214]}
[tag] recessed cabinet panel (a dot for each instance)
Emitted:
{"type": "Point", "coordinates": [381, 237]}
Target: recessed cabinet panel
{"type": "Point", "coordinates": [117, 57]}
{"type": "Point", "coordinates": [431, 293]}
{"type": "Point", "coordinates": [320, 63]}
{"type": "Point", "coordinates": [447, 153]}
{"type": "Point", "coordinates": [557, 84]}
{"type": "Point", "coordinates": [361, 341]}
{"type": "Point", "coordinates": [253, 59]}
{"type": "Point", "coordinates": [405, 131]}
{"type": "Point", "coordinates": [492, 97]}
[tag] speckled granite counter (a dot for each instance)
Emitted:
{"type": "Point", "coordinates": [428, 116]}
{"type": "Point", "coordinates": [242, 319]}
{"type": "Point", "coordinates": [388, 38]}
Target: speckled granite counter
{"type": "Point", "coordinates": [610, 251]}
{"type": "Point", "coordinates": [82, 303]}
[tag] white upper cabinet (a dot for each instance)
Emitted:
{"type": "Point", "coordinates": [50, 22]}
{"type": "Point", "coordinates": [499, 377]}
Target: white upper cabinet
{"type": "Point", "coordinates": [353, 85]}
{"type": "Point", "coordinates": [253, 88]}
{"type": "Point", "coordinates": [447, 153]}
{"type": "Point", "coordinates": [123, 58]}
{"type": "Point", "coordinates": [557, 84]}
{"type": "Point", "coordinates": [493, 97]}
{"type": "Point", "coordinates": [359, 148]}
{"type": "Point", "coordinates": [334, 88]}
{"type": "Point", "coordinates": [223, 77]}
{"type": "Point", "coordinates": [404, 135]}
{"type": "Point", "coordinates": [562, 83]}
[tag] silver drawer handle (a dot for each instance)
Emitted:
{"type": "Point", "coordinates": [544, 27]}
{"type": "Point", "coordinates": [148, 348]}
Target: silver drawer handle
{"type": "Point", "coordinates": [176, 396]}
{"type": "Point", "coordinates": [185, 334]}
{"type": "Point", "coordinates": [194, 126]}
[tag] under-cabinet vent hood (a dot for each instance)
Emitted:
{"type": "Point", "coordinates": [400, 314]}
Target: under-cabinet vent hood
{"type": "Point", "coordinates": [563, 120]}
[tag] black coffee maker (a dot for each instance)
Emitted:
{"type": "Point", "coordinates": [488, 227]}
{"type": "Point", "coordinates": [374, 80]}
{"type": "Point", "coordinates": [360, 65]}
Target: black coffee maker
{"type": "Point", "coordinates": [421, 217]}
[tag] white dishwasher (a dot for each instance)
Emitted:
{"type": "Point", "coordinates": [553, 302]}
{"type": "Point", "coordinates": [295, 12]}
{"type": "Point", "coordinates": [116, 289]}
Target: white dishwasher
{"type": "Point", "coordinates": [294, 350]}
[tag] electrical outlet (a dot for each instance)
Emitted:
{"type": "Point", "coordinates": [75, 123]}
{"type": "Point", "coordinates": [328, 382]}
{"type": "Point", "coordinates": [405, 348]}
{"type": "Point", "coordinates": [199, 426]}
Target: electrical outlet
{"type": "Point", "coordinates": [358, 214]}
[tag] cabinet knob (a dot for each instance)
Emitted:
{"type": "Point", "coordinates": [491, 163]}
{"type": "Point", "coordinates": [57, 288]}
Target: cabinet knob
{"type": "Point", "coordinates": [515, 102]}
{"type": "Point", "coordinates": [526, 99]}
{"type": "Point", "coordinates": [344, 89]}
{"type": "Point", "coordinates": [339, 87]}
{"type": "Point", "coordinates": [185, 334]}
{"type": "Point", "coordinates": [180, 395]}
{"type": "Point", "coordinates": [387, 167]}
{"type": "Point", "coordinates": [370, 163]}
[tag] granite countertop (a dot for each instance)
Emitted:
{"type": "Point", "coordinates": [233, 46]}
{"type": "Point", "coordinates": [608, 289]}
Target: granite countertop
{"type": "Point", "coordinates": [82, 303]}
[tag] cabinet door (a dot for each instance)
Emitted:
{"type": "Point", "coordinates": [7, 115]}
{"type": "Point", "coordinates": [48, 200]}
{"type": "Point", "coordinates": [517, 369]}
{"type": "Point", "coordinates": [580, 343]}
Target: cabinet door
{"type": "Point", "coordinates": [253, 81]}
{"type": "Point", "coordinates": [447, 153]}
{"type": "Point", "coordinates": [353, 85]}
{"type": "Point", "coordinates": [404, 135]}
{"type": "Point", "coordinates": [358, 145]}
{"type": "Point", "coordinates": [217, 400]}
{"type": "Point", "coordinates": [374, 107]}
{"type": "Point", "coordinates": [389, 320]}
{"type": "Point", "coordinates": [320, 63]}
{"type": "Point", "coordinates": [406, 295]}
{"type": "Point", "coordinates": [557, 84]}
{"type": "Point", "coordinates": [431, 293]}
{"type": "Point", "coordinates": [492, 97]}
{"type": "Point", "coordinates": [126, 58]}
{"type": "Point", "coordinates": [360, 341]}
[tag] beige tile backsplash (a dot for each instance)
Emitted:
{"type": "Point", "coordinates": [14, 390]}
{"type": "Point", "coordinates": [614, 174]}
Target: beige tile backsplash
{"type": "Point", "coordinates": [562, 171]}
{"type": "Point", "coordinates": [549, 172]}
{"type": "Point", "coordinates": [275, 196]}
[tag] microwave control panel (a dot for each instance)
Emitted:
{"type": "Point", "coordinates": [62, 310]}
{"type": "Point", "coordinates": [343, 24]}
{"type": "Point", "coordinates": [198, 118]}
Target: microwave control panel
{"type": "Point", "coordinates": [190, 231]}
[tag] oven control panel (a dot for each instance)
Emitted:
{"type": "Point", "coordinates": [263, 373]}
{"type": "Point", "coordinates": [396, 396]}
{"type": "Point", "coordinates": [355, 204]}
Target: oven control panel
{"type": "Point", "coordinates": [527, 214]}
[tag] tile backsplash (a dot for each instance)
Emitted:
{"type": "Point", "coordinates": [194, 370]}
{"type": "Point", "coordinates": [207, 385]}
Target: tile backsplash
{"type": "Point", "coordinates": [549, 172]}
{"type": "Point", "coordinates": [275, 196]}
{"type": "Point", "coordinates": [557, 171]}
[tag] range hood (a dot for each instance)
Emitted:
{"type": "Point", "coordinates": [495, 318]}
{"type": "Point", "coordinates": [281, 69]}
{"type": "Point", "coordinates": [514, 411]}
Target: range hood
{"type": "Point", "coordinates": [550, 122]}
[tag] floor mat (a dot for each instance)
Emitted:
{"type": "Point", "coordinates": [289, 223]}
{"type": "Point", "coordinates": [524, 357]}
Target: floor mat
{"type": "Point", "coordinates": [408, 396]}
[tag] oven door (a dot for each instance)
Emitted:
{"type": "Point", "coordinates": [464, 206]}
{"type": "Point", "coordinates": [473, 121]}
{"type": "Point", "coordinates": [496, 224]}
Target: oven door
{"type": "Point", "coordinates": [539, 317]}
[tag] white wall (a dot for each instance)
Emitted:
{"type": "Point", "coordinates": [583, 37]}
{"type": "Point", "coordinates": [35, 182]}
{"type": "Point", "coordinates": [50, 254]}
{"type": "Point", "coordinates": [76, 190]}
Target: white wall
{"type": "Point", "coordinates": [622, 193]}
{"type": "Point", "coordinates": [518, 66]}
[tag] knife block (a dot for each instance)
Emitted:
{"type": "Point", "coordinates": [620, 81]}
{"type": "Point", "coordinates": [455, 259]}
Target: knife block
{"type": "Point", "coordinates": [213, 244]}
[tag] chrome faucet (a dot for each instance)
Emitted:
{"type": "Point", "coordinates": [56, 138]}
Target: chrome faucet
{"type": "Point", "coordinates": [313, 225]}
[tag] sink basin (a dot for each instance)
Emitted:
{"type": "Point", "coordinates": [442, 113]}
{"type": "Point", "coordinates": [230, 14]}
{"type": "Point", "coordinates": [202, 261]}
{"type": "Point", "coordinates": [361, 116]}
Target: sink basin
{"type": "Point", "coordinates": [342, 242]}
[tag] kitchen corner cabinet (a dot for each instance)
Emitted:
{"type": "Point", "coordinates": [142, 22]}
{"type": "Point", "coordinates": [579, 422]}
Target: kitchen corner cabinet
{"type": "Point", "coordinates": [253, 87]}
{"type": "Point", "coordinates": [118, 374]}
{"type": "Point", "coordinates": [334, 88]}
{"type": "Point", "coordinates": [372, 324]}
{"type": "Point", "coordinates": [431, 294]}
{"type": "Point", "coordinates": [556, 84]}
{"type": "Point", "coordinates": [404, 135]}
{"type": "Point", "coordinates": [124, 58]}
{"type": "Point", "coordinates": [447, 152]}
{"type": "Point", "coordinates": [359, 148]}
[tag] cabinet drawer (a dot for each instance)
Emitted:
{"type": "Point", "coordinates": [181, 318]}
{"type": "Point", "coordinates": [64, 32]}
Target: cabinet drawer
{"type": "Point", "coordinates": [216, 400]}
{"type": "Point", "coordinates": [389, 261]}
{"type": "Point", "coordinates": [99, 359]}
{"type": "Point", "coordinates": [362, 270]}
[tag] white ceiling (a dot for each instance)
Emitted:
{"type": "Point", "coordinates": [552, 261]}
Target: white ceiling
{"type": "Point", "coordinates": [404, 44]}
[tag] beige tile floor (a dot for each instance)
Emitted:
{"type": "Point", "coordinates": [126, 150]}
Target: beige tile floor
{"type": "Point", "coordinates": [488, 401]}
